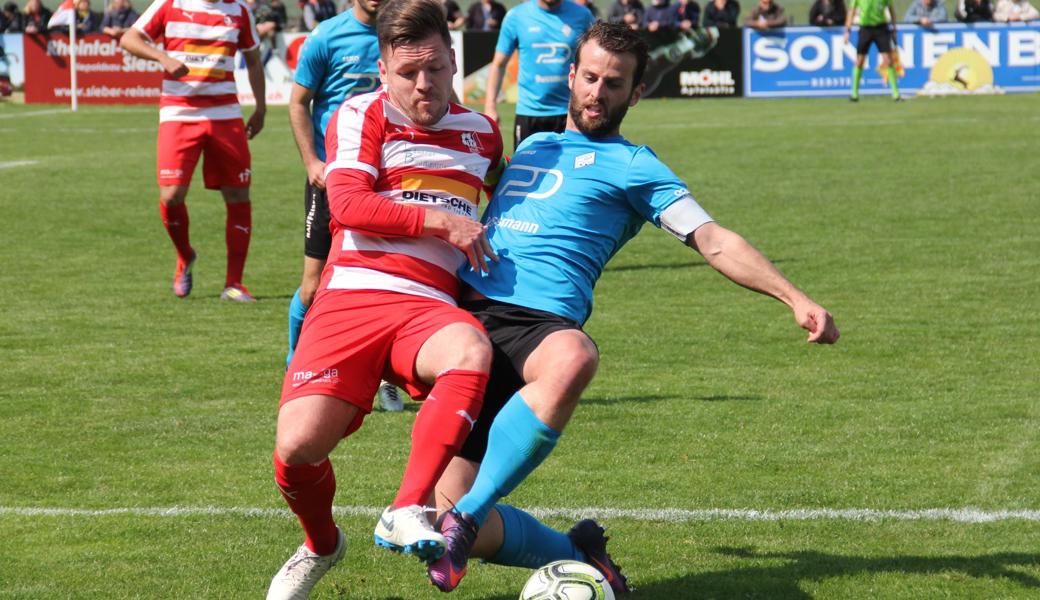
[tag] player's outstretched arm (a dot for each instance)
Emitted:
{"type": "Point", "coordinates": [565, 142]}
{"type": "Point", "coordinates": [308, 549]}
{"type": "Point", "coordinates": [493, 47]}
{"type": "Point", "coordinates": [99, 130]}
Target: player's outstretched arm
{"type": "Point", "coordinates": [136, 42]}
{"type": "Point", "coordinates": [730, 254]}
{"type": "Point", "coordinates": [255, 68]}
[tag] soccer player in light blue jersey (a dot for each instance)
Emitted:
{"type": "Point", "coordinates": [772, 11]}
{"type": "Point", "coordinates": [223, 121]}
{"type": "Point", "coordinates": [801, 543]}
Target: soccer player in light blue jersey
{"type": "Point", "coordinates": [564, 206]}
{"type": "Point", "coordinates": [545, 32]}
{"type": "Point", "coordinates": [338, 60]}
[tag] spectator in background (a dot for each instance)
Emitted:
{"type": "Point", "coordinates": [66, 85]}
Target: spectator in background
{"type": "Point", "coordinates": [34, 17]}
{"type": "Point", "coordinates": [721, 13]}
{"type": "Point", "coordinates": [627, 12]}
{"type": "Point", "coordinates": [119, 17]}
{"type": "Point", "coordinates": [661, 16]}
{"type": "Point", "coordinates": [266, 18]}
{"type": "Point", "coordinates": [314, 12]}
{"type": "Point", "coordinates": [1010, 11]}
{"type": "Point", "coordinates": [926, 13]}
{"type": "Point", "coordinates": [10, 19]}
{"type": "Point", "coordinates": [766, 15]}
{"type": "Point", "coordinates": [87, 21]}
{"type": "Point", "coordinates": [456, 20]}
{"type": "Point", "coordinates": [485, 15]}
{"type": "Point", "coordinates": [687, 14]}
{"type": "Point", "coordinates": [827, 13]}
{"type": "Point", "coordinates": [974, 11]}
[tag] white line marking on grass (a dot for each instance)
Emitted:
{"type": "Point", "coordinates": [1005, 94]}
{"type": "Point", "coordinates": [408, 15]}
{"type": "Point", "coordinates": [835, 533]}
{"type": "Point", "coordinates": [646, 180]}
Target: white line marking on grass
{"type": "Point", "coordinates": [672, 515]}
{"type": "Point", "coordinates": [17, 163]}
{"type": "Point", "coordinates": [33, 113]}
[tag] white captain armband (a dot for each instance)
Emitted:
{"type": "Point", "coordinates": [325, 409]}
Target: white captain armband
{"type": "Point", "coordinates": [683, 216]}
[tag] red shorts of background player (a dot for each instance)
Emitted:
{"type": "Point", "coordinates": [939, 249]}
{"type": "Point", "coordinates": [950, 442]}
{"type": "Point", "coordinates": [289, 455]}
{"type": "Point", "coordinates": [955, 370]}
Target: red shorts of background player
{"type": "Point", "coordinates": [353, 339]}
{"type": "Point", "coordinates": [226, 160]}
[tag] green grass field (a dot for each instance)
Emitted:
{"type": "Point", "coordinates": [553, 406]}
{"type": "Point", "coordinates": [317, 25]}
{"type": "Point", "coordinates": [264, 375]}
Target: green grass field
{"type": "Point", "coordinates": [915, 224]}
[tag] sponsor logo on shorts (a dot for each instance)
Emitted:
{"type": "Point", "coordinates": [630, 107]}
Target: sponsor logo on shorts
{"type": "Point", "coordinates": [171, 173]}
{"type": "Point", "coordinates": [245, 175]}
{"type": "Point", "coordinates": [300, 378]}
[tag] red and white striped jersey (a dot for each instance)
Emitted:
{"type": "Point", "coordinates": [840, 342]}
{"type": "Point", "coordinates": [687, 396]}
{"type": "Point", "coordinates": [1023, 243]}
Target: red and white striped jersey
{"type": "Point", "coordinates": [204, 36]}
{"type": "Point", "coordinates": [441, 167]}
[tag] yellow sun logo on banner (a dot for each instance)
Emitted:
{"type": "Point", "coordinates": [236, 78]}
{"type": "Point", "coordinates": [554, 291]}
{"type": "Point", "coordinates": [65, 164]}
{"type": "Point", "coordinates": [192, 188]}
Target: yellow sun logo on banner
{"type": "Point", "coordinates": [962, 68]}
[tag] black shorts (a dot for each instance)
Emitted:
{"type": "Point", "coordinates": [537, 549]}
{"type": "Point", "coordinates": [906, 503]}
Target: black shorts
{"type": "Point", "coordinates": [317, 239]}
{"type": "Point", "coordinates": [526, 126]}
{"type": "Point", "coordinates": [515, 332]}
{"type": "Point", "coordinates": [879, 35]}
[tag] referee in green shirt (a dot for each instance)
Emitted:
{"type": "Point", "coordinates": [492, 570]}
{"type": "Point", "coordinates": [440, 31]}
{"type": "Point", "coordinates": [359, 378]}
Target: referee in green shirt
{"type": "Point", "coordinates": [873, 29]}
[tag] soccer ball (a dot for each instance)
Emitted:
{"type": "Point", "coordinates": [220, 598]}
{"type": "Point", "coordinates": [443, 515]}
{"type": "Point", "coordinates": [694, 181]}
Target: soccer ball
{"type": "Point", "coordinates": [567, 580]}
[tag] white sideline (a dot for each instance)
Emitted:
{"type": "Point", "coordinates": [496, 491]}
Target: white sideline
{"type": "Point", "coordinates": [17, 163]}
{"type": "Point", "coordinates": [673, 515]}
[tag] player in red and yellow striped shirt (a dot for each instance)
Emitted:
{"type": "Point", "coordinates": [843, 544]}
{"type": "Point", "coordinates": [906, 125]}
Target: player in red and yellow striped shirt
{"type": "Point", "coordinates": [199, 114]}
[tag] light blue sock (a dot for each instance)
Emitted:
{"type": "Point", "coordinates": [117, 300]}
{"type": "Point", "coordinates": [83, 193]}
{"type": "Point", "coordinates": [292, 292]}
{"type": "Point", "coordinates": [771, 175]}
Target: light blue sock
{"type": "Point", "coordinates": [527, 542]}
{"type": "Point", "coordinates": [297, 311]}
{"type": "Point", "coordinates": [517, 443]}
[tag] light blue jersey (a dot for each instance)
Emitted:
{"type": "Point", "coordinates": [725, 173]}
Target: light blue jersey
{"type": "Point", "coordinates": [564, 206]}
{"type": "Point", "coordinates": [338, 60]}
{"type": "Point", "coordinates": [547, 40]}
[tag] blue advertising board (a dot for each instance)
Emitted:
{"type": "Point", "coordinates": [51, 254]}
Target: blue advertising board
{"type": "Point", "coordinates": [950, 58]}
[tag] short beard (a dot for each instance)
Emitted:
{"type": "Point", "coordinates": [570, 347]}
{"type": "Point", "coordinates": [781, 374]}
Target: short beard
{"type": "Point", "coordinates": [604, 126]}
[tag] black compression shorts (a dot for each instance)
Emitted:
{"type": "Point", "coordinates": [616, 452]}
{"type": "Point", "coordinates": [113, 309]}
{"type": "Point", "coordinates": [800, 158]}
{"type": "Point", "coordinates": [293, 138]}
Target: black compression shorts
{"type": "Point", "coordinates": [317, 239]}
{"type": "Point", "coordinates": [526, 126]}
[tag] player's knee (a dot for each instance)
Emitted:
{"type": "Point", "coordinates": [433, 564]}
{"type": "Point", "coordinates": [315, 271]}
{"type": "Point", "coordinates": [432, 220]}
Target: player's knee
{"type": "Point", "coordinates": [574, 361]}
{"type": "Point", "coordinates": [297, 448]}
{"type": "Point", "coordinates": [172, 195]}
{"type": "Point", "coordinates": [233, 195]}
{"type": "Point", "coordinates": [472, 350]}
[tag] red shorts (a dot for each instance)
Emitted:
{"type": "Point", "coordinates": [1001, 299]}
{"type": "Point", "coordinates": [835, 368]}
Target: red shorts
{"type": "Point", "coordinates": [226, 161]}
{"type": "Point", "coordinates": [353, 339]}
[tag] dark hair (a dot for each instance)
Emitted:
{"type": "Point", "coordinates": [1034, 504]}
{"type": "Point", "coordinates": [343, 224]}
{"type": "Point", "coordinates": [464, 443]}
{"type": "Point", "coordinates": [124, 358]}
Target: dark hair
{"type": "Point", "coordinates": [616, 39]}
{"type": "Point", "coordinates": [408, 21]}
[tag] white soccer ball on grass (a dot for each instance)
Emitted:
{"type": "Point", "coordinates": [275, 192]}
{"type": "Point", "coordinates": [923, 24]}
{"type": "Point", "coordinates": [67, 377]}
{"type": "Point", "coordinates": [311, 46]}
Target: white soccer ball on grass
{"type": "Point", "coordinates": [567, 580]}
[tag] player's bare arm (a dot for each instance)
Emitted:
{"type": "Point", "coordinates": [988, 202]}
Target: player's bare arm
{"type": "Point", "coordinates": [303, 132]}
{"type": "Point", "coordinates": [848, 23]}
{"type": "Point", "coordinates": [255, 68]}
{"type": "Point", "coordinates": [137, 43]}
{"type": "Point", "coordinates": [465, 234]}
{"type": "Point", "coordinates": [494, 85]}
{"type": "Point", "coordinates": [730, 254]}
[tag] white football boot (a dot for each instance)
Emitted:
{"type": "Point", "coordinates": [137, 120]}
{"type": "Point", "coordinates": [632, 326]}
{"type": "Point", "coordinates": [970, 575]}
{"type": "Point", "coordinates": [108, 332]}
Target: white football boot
{"type": "Point", "coordinates": [389, 398]}
{"type": "Point", "coordinates": [303, 570]}
{"type": "Point", "coordinates": [408, 530]}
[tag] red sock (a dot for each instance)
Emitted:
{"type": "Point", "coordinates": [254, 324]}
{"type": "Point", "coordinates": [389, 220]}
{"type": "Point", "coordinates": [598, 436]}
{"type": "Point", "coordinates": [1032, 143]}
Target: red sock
{"type": "Point", "coordinates": [236, 234]}
{"type": "Point", "coordinates": [439, 431]}
{"type": "Point", "coordinates": [309, 489]}
{"type": "Point", "coordinates": [175, 219]}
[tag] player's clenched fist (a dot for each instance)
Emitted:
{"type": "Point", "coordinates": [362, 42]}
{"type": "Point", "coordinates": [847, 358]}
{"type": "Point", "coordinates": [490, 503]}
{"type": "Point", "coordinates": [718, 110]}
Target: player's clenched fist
{"type": "Point", "coordinates": [174, 67]}
{"type": "Point", "coordinates": [463, 233]}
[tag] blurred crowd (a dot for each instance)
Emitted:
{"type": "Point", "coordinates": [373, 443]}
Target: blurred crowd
{"type": "Point", "coordinates": [486, 15]}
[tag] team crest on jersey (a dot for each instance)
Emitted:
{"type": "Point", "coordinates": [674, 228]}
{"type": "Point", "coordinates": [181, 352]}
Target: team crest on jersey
{"type": "Point", "coordinates": [471, 141]}
{"type": "Point", "coordinates": [567, 30]}
{"type": "Point", "coordinates": [584, 160]}
{"type": "Point", "coordinates": [228, 21]}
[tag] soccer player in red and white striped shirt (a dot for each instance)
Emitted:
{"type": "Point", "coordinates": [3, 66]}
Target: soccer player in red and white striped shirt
{"type": "Point", "coordinates": [405, 168]}
{"type": "Point", "coordinates": [199, 115]}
